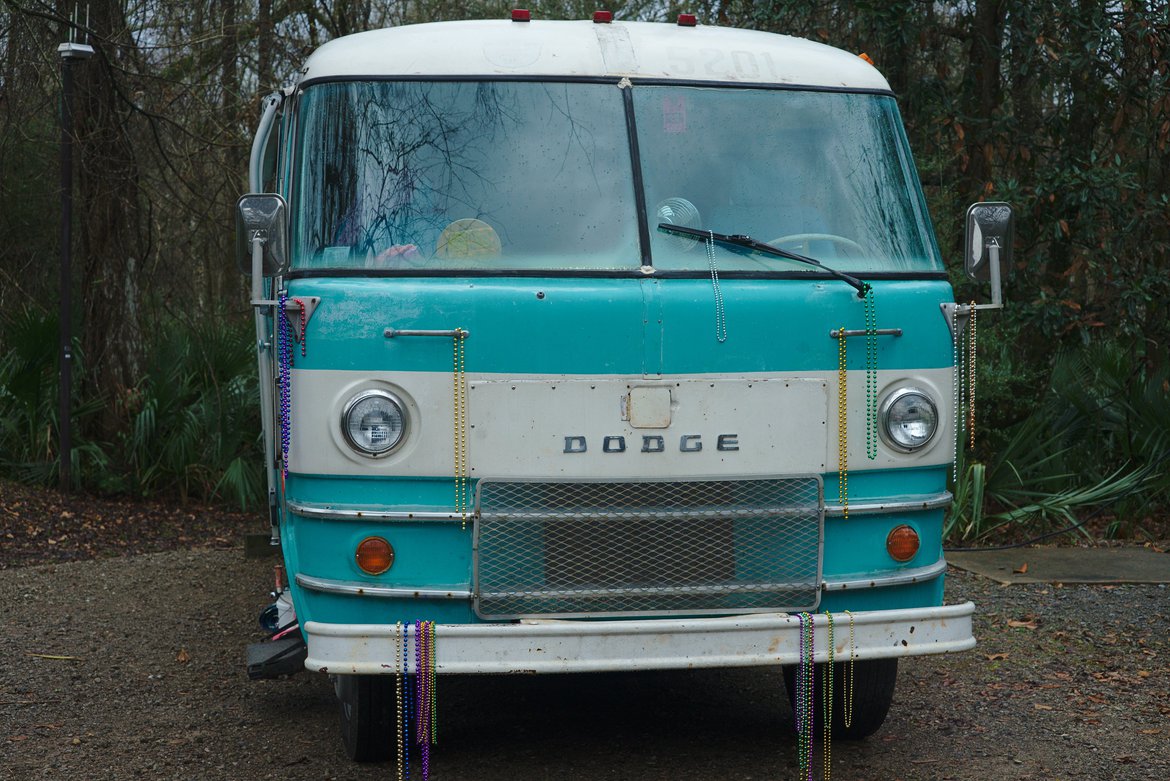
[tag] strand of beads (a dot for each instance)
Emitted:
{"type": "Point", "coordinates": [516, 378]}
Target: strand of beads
{"type": "Point", "coordinates": [433, 682]}
{"type": "Point", "coordinates": [827, 707]}
{"type": "Point", "coordinates": [720, 315]}
{"type": "Point", "coordinates": [399, 665]}
{"type": "Point", "coordinates": [406, 709]}
{"type": "Point", "coordinates": [871, 376]}
{"type": "Point", "coordinates": [842, 423]}
{"type": "Point", "coordinates": [460, 413]}
{"type": "Point", "coordinates": [956, 391]}
{"type": "Point", "coordinates": [805, 705]}
{"type": "Point", "coordinates": [847, 684]}
{"type": "Point", "coordinates": [971, 379]}
{"type": "Point", "coordinates": [424, 672]}
{"type": "Point", "coordinates": [421, 700]}
{"type": "Point", "coordinates": [284, 358]}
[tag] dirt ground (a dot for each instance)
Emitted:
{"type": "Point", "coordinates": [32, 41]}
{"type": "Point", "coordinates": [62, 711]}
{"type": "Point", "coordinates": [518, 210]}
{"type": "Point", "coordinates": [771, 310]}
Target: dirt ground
{"type": "Point", "coordinates": [130, 665]}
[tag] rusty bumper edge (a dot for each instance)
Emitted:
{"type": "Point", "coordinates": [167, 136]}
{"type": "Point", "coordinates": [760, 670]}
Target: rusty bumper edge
{"type": "Point", "coordinates": [557, 646]}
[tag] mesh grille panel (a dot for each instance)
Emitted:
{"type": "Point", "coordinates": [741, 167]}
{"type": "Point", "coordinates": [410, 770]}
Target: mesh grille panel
{"type": "Point", "coordinates": [724, 546]}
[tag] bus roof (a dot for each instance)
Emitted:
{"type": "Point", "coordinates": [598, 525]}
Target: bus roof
{"type": "Point", "coordinates": [583, 49]}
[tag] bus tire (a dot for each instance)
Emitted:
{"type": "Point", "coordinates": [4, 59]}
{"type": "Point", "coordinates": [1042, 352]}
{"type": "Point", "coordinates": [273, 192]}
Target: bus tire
{"type": "Point", "coordinates": [366, 729]}
{"type": "Point", "coordinates": [873, 691]}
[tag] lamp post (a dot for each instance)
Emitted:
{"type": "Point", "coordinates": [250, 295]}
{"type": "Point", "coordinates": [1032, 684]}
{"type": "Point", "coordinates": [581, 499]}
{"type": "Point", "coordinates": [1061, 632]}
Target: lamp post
{"type": "Point", "coordinates": [71, 52]}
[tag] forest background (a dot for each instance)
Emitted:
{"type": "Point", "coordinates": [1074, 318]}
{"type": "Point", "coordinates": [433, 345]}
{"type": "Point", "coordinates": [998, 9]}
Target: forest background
{"type": "Point", "coordinates": [1060, 108]}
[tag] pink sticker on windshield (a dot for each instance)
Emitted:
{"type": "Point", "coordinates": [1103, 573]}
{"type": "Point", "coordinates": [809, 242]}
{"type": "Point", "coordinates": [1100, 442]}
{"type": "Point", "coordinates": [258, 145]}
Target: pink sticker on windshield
{"type": "Point", "coordinates": [674, 114]}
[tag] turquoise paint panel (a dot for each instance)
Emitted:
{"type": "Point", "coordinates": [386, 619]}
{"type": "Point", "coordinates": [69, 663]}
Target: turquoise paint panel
{"type": "Point", "coordinates": [617, 326]}
{"type": "Point", "coordinates": [784, 324]}
{"type": "Point", "coordinates": [517, 325]}
{"type": "Point", "coordinates": [928, 594]}
{"type": "Point", "coordinates": [425, 554]}
{"type": "Point", "coordinates": [855, 547]}
{"type": "Point", "coordinates": [346, 609]}
{"type": "Point", "coordinates": [885, 483]}
{"type": "Point", "coordinates": [374, 493]}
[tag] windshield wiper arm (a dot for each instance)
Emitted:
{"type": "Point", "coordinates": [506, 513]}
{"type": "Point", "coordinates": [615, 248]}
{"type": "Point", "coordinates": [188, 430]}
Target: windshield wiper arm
{"type": "Point", "coordinates": [747, 242]}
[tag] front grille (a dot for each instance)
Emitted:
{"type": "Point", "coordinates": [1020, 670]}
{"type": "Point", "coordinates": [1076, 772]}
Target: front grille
{"type": "Point", "coordinates": [640, 548]}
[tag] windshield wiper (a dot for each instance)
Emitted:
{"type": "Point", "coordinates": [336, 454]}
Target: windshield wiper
{"type": "Point", "coordinates": [747, 242]}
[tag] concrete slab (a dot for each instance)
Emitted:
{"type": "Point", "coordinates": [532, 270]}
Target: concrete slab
{"type": "Point", "coordinates": [1067, 565]}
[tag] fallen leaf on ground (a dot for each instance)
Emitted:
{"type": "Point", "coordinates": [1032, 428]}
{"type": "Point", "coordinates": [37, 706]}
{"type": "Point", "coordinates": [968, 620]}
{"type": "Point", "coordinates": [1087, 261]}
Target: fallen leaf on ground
{"type": "Point", "coordinates": [996, 657]}
{"type": "Point", "coordinates": [1030, 624]}
{"type": "Point", "coordinates": [1022, 569]}
{"type": "Point", "coordinates": [183, 656]}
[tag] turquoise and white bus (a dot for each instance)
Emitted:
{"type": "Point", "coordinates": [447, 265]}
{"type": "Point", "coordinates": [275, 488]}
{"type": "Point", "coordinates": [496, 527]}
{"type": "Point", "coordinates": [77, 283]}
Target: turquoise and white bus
{"type": "Point", "coordinates": [594, 346]}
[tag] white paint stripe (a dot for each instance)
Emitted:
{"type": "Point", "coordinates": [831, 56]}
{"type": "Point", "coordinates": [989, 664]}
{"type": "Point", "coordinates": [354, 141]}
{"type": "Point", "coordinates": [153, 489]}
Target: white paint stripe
{"type": "Point", "coordinates": [782, 424]}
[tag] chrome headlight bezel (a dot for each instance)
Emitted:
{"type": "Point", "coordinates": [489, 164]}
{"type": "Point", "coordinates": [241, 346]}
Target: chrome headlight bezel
{"type": "Point", "coordinates": [351, 407]}
{"type": "Point", "coordinates": [890, 406]}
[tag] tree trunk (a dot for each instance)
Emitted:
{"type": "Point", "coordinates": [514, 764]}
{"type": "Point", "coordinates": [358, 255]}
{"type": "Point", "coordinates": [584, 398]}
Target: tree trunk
{"type": "Point", "coordinates": [986, 94]}
{"type": "Point", "coordinates": [110, 203]}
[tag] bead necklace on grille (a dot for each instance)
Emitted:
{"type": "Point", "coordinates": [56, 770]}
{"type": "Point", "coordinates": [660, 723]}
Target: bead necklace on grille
{"type": "Point", "coordinates": [284, 359]}
{"type": "Point", "coordinates": [847, 684]}
{"type": "Point", "coordinates": [459, 379]}
{"type": "Point", "coordinates": [842, 423]}
{"type": "Point", "coordinates": [827, 707]}
{"type": "Point", "coordinates": [720, 315]}
{"type": "Point", "coordinates": [871, 376]}
{"type": "Point", "coordinates": [805, 703]}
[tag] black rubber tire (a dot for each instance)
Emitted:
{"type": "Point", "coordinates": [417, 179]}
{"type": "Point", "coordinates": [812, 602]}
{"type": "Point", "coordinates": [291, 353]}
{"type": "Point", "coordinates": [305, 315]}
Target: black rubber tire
{"type": "Point", "coordinates": [873, 691]}
{"type": "Point", "coordinates": [366, 728]}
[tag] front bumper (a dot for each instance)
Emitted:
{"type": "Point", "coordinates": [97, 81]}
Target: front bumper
{"type": "Point", "coordinates": [561, 646]}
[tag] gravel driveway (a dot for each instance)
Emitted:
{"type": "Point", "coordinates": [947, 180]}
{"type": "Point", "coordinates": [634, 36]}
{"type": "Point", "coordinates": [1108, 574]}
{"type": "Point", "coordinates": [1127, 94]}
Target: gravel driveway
{"type": "Point", "coordinates": [132, 667]}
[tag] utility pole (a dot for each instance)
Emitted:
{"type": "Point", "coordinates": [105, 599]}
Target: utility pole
{"type": "Point", "coordinates": [71, 52]}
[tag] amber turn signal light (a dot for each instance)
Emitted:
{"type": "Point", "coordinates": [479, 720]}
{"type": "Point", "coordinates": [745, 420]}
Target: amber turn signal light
{"type": "Point", "coordinates": [902, 543]}
{"type": "Point", "coordinates": [374, 555]}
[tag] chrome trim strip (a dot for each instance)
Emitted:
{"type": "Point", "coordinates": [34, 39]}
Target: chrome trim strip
{"type": "Point", "coordinates": [328, 513]}
{"type": "Point", "coordinates": [924, 502]}
{"type": "Point", "coordinates": [837, 334]}
{"type": "Point", "coordinates": [903, 578]}
{"type": "Point", "coordinates": [384, 592]}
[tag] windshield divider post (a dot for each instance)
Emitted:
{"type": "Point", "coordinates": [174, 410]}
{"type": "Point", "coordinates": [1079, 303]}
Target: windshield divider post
{"type": "Point", "coordinates": [639, 184]}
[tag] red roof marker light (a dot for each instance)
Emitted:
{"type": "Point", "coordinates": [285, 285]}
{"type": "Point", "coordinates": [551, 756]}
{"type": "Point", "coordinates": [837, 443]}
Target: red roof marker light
{"type": "Point", "coordinates": [521, 15]}
{"type": "Point", "coordinates": [687, 20]}
{"type": "Point", "coordinates": [602, 17]}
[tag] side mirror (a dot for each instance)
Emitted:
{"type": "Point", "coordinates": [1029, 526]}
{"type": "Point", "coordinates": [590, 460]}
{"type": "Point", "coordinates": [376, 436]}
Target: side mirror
{"type": "Point", "coordinates": [987, 246]}
{"type": "Point", "coordinates": [262, 216]}
{"type": "Point", "coordinates": [989, 225]}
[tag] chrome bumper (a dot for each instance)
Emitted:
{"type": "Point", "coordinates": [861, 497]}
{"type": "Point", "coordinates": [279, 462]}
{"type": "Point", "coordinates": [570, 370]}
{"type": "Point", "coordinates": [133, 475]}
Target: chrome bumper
{"type": "Point", "coordinates": [558, 646]}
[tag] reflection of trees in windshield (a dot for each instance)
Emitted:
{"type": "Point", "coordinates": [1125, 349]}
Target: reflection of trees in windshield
{"type": "Point", "coordinates": [874, 165]}
{"type": "Point", "coordinates": [823, 170]}
{"type": "Point", "coordinates": [393, 159]}
{"type": "Point", "coordinates": [387, 163]}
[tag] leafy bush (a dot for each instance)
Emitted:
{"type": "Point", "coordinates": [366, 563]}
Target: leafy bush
{"type": "Point", "coordinates": [1097, 438]}
{"type": "Point", "coordinates": [191, 424]}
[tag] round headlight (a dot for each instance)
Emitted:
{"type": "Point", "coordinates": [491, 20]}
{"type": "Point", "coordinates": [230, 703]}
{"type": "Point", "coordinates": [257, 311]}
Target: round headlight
{"type": "Point", "coordinates": [373, 423]}
{"type": "Point", "coordinates": [909, 419]}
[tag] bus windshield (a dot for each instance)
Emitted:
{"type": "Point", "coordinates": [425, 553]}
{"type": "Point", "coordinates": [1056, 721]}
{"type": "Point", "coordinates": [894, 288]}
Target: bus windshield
{"type": "Point", "coordinates": [451, 175]}
{"type": "Point", "coordinates": [822, 174]}
{"type": "Point", "coordinates": [503, 176]}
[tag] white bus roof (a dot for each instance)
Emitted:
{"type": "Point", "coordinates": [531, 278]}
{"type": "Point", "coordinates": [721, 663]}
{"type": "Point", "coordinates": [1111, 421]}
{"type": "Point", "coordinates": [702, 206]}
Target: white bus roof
{"type": "Point", "coordinates": [584, 49]}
